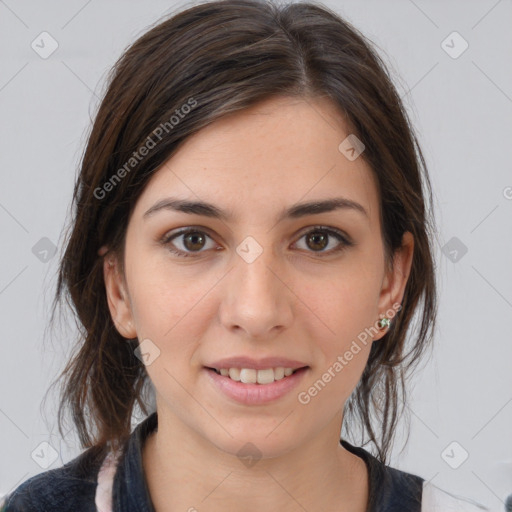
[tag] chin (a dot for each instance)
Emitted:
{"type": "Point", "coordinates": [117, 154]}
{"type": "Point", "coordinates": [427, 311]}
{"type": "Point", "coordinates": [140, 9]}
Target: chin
{"type": "Point", "coordinates": [252, 443]}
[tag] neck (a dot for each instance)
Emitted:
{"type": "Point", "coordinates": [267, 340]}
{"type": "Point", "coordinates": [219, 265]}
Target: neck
{"type": "Point", "coordinates": [314, 475]}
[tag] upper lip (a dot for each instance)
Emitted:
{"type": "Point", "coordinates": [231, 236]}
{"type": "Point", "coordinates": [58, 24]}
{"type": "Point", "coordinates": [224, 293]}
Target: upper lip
{"type": "Point", "coordinates": [257, 364]}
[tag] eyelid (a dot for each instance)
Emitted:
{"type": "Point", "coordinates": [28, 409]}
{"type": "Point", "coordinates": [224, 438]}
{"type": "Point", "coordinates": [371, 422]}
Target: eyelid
{"type": "Point", "coordinates": [323, 227]}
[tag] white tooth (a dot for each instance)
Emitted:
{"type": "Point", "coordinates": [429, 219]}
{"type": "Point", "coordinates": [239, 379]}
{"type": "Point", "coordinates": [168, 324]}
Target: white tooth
{"type": "Point", "coordinates": [234, 373]}
{"type": "Point", "coordinates": [278, 373]}
{"type": "Point", "coordinates": [251, 376]}
{"type": "Point", "coordinates": [248, 375]}
{"type": "Point", "coordinates": [265, 376]}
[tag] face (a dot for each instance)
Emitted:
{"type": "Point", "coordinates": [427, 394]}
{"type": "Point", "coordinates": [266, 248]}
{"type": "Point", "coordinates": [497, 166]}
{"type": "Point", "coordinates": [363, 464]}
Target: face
{"type": "Point", "coordinates": [257, 283]}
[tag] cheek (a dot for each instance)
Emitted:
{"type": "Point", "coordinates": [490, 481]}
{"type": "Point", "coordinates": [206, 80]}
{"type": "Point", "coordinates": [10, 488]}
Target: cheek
{"type": "Point", "coordinates": [339, 310]}
{"type": "Point", "coordinates": [169, 306]}
{"type": "Point", "coordinates": [159, 293]}
{"type": "Point", "coordinates": [343, 365]}
{"type": "Point", "coordinates": [344, 304]}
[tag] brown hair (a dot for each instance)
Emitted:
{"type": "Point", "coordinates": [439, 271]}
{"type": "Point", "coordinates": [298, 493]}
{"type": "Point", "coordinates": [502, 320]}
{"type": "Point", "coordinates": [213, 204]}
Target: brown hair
{"type": "Point", "coordinates": [220, 57]}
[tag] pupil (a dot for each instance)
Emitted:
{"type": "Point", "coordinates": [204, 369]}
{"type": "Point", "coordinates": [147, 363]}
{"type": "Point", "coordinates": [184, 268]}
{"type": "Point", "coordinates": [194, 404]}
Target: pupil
{"type": "Point", "coordinates": [192, 236]}
{"type": "Point", "coordinates": [322, 237]}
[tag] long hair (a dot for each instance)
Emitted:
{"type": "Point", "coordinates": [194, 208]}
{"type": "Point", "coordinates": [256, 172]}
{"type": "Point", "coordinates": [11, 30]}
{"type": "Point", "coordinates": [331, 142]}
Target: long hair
{"type": "Point", "coordinates": [187, 71]}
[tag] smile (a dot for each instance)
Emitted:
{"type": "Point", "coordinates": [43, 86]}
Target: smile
{"type": "Point", "coordinates": [253, 387]}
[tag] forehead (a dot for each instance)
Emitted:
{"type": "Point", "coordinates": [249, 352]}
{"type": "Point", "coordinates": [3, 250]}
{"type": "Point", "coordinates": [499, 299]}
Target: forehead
{"type": "Point", "coordinates": [257, 161]}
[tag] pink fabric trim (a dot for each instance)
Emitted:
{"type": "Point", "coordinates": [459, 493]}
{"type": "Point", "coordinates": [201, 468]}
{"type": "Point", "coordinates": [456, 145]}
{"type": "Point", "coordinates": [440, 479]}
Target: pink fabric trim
{"type": "Point", "coordinates": [103, 499]}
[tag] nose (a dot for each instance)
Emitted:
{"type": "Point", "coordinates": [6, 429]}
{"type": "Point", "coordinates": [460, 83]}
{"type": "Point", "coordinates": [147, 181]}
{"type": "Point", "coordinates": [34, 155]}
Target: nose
{"type": "Point", "coordinates": [256, 298]}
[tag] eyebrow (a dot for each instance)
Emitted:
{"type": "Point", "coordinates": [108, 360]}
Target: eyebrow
{"type": "Point", "coordinates": [294, 212]}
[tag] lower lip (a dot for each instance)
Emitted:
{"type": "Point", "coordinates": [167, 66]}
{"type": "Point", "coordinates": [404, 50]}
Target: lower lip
{"type": "Point", "coordinates": [254, 394]}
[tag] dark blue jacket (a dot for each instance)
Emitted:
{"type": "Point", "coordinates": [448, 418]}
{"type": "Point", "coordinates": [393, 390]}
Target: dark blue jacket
{"type": "Point", "coordinates": [72, 487]}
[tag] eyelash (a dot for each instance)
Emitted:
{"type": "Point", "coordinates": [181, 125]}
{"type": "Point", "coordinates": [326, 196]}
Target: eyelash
{"type": "Point", "coordinates": [345, 243]}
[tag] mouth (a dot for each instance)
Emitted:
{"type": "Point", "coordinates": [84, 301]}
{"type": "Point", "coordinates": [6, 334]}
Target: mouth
{"type": "Point", "coordinates": [251, 387]}
{"type": "Point", "coordinates": [253, 376]}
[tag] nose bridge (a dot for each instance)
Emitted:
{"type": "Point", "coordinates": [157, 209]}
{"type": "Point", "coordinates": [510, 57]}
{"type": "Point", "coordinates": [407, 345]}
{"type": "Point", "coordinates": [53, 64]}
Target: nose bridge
{"type": "Point", "coordinates": [257, 300]}
{"type": "Point", "coordinates": [253, 275]}
{"type": "Point", "coordinates": [254, 272]}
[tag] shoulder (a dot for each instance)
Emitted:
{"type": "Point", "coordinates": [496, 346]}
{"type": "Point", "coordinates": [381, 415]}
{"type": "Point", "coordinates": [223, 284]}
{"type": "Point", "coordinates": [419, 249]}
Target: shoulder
{"type": "Point", "coordinates": [390, 489]}
{"type": "Point", "coordinates": [69, 487]}
{"type": "Point", "coordinates": [435, 499]}
{"type": "Point", "coordinates": [393, 489]}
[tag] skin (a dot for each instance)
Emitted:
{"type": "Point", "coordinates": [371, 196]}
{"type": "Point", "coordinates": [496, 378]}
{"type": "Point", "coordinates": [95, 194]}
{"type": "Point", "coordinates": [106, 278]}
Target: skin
{"type": "Point", "coordinates": [289, 302]}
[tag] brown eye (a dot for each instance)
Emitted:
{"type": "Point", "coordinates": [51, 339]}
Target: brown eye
{"type": "Point", "coordinates": [191, 241]}
{"type": "Point", "coordinates": [319, 238]}
{"type": "Point", "coordinates": [194, 241]}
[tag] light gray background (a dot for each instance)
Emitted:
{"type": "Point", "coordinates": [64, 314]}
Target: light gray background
{"type": "Point", "coordinates": [461, 108]}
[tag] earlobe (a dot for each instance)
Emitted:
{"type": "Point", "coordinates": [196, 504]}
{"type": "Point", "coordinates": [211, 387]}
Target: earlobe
{"type": "Point", "coordinates": [117, 298]}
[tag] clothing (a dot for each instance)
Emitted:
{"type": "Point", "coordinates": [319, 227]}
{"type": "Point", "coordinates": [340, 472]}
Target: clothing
{"type": "Point", "coordinates": [96, 482]}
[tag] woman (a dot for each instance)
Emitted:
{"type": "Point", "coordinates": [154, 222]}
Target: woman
{"type": "Point", "coordinates": [251, 240]}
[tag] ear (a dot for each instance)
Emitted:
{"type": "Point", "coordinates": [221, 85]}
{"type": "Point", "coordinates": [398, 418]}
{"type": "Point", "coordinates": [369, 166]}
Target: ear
{"type": "Point", "coordinates": [117, 297]}
{"type": "Point", "coordinates": [395, 280]}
